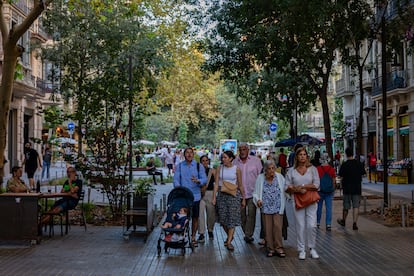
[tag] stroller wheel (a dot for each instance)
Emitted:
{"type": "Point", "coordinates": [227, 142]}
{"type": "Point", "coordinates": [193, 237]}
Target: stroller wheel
{"type": "Point", "coordinates": [159, 250]}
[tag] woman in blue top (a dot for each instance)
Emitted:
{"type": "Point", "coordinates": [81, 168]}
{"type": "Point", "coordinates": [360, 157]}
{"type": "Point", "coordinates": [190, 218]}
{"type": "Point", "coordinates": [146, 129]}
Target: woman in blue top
{"type": "Point", "coordinates": [269, 196]}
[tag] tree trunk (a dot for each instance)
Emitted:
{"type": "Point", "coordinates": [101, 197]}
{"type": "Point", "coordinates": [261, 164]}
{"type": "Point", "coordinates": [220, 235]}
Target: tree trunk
{"type": "Point", "coordinates": [11, 52]}
{"type": "Point", "coordinates": [326, 121]}
{"type": "Point", "coordinates": [360, 119]}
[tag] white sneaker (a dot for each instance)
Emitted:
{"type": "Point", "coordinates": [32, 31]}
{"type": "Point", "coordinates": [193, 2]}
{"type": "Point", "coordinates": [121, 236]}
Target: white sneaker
{"type": "Point", "coordinates": [302, 255]}
{"type": "Point", "coordinates": [314, 254]}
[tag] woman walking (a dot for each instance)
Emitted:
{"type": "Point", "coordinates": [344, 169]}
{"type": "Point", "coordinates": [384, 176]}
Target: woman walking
{"type": "Point", "coordinates": [207, 209]}
{"type": "Point", "coordinates": [269, 196]}
{"type": "Point", "coordinates": [301, 178]}
{"type": "Point", "coordinates": [228, 205]}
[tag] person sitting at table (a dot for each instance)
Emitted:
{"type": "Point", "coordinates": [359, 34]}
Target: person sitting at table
{"type": "Point", "coordinates": [15, 184]}
{"type": "Point", "coordinates": [72, 187]}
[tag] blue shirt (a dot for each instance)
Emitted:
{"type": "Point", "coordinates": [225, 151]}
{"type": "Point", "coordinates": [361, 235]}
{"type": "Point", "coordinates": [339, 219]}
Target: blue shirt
{"type": "Point", "coordinates": [184, 173]}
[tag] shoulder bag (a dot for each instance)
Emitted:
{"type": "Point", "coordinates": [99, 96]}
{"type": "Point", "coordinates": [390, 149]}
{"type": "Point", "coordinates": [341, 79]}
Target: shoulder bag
{"type": "Point", "coordinates": [306, 199]}
{"type": "Point", "coordinates": [228, 187]}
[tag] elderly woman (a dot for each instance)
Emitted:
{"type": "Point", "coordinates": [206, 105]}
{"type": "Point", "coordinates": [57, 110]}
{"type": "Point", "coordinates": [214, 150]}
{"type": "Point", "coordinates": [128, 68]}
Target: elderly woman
{"type": "Point", "coordinates": [269, 196]}
{"type": "Point", "coordinates": [299, 179]}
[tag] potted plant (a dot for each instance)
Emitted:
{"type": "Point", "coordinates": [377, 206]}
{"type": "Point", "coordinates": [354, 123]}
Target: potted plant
{"type": "Point", "coordinates": [143, 192]}
{"type": "Point", "coordinates": [142, 204]}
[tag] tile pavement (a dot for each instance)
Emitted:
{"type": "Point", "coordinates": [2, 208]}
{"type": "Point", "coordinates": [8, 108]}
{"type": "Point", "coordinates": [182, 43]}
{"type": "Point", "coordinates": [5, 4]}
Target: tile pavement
{"type": "Point", "coordinates": [373, 250]}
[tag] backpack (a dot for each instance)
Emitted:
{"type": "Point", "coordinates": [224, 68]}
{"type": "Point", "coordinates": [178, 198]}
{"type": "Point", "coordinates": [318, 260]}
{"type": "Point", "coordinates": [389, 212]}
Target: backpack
{"type": "Point", "coordinates": [282, 160]}
{"type": "Point", "coordinates": [326, 183]}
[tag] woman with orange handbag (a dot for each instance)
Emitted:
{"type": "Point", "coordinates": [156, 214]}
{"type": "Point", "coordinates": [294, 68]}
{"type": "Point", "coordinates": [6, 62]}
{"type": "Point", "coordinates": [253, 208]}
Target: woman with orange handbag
{"type": "Point", "coordinates": [301, 179]}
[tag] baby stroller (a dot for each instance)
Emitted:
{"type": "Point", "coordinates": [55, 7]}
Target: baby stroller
{"type": "Point", "coordinates": [178, 198]}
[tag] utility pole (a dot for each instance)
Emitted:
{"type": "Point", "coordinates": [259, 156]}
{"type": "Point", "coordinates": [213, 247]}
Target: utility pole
{"type": "Point", "coordinates": [130, 120]}
{"type": "Point", "coordinates": [384, 106]}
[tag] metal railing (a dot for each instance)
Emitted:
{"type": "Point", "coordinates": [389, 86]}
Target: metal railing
{"type": "Point", "coordinates": [395, 79]}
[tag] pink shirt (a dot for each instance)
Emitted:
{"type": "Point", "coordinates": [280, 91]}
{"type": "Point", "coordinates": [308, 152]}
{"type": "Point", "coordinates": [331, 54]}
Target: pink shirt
{"type": "Point", "coordinates": [250, 169]}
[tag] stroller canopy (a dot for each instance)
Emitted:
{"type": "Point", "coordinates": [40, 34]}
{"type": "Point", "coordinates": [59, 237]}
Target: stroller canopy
{"type": "Point", "coordinates": [180, 197]}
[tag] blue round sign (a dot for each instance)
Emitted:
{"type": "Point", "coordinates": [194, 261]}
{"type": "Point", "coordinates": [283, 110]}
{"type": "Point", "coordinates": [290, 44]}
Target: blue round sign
{"type": "Point", "coordinates": [273, 127]}
{"type": "Point", "coordinates": [71, 126]}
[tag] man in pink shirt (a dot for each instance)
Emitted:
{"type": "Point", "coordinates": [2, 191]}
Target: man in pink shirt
{"type": "Point", "coordinates": [251, 167]}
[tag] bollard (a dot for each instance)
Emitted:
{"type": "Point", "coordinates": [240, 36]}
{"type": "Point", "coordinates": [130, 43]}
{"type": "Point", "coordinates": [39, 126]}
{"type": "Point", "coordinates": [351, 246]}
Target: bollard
{"type": "Point", "coordinates": [408, 215]}
{"type": "Point", "coordinates": [155, 217]}
{"type": "Point", "coordinates": [89, 195]}
{"type": "Point", "coordinates": [389, 199]}
{"type": "Point", "coordinates": [364, 198]}
{"type": "Point", "coordinates": [412, 195]}
{"type": "Point", "coordinates": [161, 207]}
{"type": "Point", "coordinates": [164, 201]}
{"type": "Point", "coordinates": [403, 215]}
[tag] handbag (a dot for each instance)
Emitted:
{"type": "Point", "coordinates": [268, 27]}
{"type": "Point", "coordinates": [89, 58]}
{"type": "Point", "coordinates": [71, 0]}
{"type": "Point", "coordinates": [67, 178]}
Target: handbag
{"type": "Point", "coordinates": [228, 187]}
{"type": "Point", "coordinates": [306, 199]}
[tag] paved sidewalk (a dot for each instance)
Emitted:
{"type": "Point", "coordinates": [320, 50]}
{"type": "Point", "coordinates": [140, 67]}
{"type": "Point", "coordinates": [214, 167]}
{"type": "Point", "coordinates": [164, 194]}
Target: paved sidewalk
{"type": "Point", "coordinates": [373, 250]}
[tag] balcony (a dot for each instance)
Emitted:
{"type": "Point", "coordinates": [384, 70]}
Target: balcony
{"type": "Point", "coordinates": [395, 5]}
{"type": "Point", "coordinates": [395, 79]}
{"type": "Point", "coordinates": [345, 87]}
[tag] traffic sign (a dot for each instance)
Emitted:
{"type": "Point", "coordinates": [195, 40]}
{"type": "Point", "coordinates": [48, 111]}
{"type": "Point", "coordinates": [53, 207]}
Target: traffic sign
{"type": "Point", "coordinates": [71, 126]}
{"type": "Point", "coordinates": [273, 127]}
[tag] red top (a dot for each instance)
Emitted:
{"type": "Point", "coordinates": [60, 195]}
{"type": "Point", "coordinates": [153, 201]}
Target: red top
{"type": "Point", "coordinates": [326, 169]}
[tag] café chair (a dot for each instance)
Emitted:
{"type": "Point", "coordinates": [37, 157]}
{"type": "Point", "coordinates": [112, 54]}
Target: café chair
{"type": "Point", "coordinates": [51, 222]}
{"type": "Point", "coordinates": [81, 207]}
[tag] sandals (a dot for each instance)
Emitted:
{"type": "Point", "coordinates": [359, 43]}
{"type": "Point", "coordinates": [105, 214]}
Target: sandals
{"type": "Point", "coordinates": [262, 242]}
{"type": "Point", "coordinates": [194, 243]}
{"type": "Point", "coordinates": [226, 242]}
{"type": "Point", "coordinates": [230, 246]}
{"type": "Point", "coordinates": [281, 254]}
{"type": "Point", "coordinates": [270, 254]}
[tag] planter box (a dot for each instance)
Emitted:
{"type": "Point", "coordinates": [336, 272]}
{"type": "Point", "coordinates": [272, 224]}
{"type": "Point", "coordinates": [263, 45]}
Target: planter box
{"type": "Point", "coordinates": [139, 214]}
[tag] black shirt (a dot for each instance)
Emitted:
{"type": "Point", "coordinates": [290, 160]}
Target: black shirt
{"type": "Point", "coordinates": [351, 172]}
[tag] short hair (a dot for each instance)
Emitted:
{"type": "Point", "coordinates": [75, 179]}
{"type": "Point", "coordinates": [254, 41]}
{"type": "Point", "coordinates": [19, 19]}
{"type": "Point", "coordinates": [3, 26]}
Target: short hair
{"type": "Point", "coordinates": [348, 152]}
{"type": "Point", "coordinates": [243, 144]}
{"type": "Point", "coordinates": [185, 151]}
{"type": "Point", "coordinates": [267, 164]}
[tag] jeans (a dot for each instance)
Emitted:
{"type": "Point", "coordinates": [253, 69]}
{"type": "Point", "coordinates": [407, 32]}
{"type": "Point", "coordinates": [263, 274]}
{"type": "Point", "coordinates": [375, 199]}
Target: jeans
{"type": "Point", "coordinates": [46, 167]}
{"type": "Point", "coordinates": [328, 206]}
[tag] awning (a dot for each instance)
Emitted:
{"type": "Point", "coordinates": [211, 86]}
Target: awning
{"type": "Point", "coordinates": [404, 130]}
{"type": "Point", "coordinates": [390, 132]}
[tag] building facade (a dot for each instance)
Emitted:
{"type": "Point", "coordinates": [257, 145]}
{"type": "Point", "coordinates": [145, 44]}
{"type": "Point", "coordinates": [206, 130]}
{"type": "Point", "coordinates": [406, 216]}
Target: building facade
{"type": "Point", "coordinates": [399, 94]}
{"type": "Point", "coordinates": [31, 92]}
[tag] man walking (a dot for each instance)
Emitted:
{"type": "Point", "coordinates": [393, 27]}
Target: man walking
{"type": "Point", "coordinates": [351, 172]}
{"type": "Point", "coordinates": [250, 167]}
{"type": "Point", "coordinates": [31, 161]}
{"type": "Point", "coordinates": [191, 175]}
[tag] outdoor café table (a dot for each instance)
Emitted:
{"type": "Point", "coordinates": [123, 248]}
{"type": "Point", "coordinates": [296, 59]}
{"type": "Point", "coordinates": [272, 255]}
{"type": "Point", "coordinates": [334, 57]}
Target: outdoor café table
{"type": "Point", "coordinates": [46, 196]}
{"type": "Point", "coordinates": [19, 216]}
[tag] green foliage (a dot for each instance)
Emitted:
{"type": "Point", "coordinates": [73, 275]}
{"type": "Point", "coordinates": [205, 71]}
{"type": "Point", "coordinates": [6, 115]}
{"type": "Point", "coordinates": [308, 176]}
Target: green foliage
{"type": "Point", "coordinates": [53, 116]}
{"type": "Point", "coordinates": [143, 186]}
{"type": "Point", "coordinates": [182, 133]}
{"type": "Point", "coordinates": [18, 73]}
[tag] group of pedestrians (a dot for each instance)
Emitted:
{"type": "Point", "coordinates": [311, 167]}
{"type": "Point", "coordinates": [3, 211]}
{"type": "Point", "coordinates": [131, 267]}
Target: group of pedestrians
{"type": "Point", "coordinates": [231, 194]}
